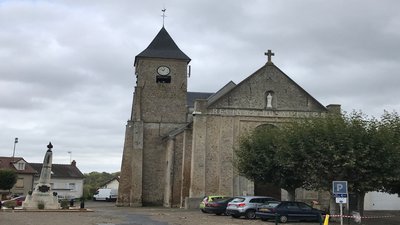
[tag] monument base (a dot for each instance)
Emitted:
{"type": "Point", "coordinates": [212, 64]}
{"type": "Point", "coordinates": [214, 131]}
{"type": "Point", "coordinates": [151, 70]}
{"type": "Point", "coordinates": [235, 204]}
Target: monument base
{"type": "Point", "coordinates": [46, 199]}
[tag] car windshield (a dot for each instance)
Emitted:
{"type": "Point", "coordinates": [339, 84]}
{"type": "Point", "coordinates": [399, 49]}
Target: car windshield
{"type": "Point", "coordinates": [238, 200]}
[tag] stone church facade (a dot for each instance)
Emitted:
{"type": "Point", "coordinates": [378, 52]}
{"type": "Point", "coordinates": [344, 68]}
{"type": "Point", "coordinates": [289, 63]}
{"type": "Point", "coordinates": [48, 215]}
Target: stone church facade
{"type": "Point", "coordinates": [179, 144]}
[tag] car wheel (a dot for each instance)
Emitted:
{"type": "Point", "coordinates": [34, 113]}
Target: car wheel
{"type": "Point", "coordinates": [235, 215]}
{"type": "Point", "coordinates": [264, 219]}
{"type": "Point", "coordinates": [204, 211]}
{"type": "Point", "coordinates": [283, 219]}
{"type": "Point", "coordinates": [250, 214]}
{"type": "Point", "coordinates": [226, 213]}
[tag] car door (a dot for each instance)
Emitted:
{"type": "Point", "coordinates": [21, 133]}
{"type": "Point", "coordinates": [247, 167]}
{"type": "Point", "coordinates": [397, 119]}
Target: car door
{"type": "Point", "coordinates": [307, 212]}
{"type": "Point", "coordinates": [254, 203]}
{"type": "Point", "coordinates": [293, 211]}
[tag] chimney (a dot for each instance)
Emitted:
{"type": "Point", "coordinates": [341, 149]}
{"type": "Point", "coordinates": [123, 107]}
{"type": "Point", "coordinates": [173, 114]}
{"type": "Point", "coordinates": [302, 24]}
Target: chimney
{"type": "Point", "coordinates": [73, 163]}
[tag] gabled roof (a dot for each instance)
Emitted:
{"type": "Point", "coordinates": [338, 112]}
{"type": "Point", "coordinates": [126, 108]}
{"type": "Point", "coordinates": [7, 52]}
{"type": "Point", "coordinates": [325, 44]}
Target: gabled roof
{"type": "Point", "coordinates": [8, 163]}
{"type": "Point", "coordinates": [221, 92]}
{"type": "Point", "coordinates": [60, 171]}
{"type": "Point", "coordinates": [192, 96]}
{"type": "Point", "coordinates": [163, 46]}
{"type": "Point", "coordinates": [109, 181]}
{"type": "Point", "coordinates": [267, 68]}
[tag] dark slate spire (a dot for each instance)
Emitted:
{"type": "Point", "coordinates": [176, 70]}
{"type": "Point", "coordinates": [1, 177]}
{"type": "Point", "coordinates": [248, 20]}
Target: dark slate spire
{"type": "Point", "coordinates": [163, 46]}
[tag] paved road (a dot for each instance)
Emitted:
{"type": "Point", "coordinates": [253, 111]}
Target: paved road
{"type": "Point", "coordinates": [105, 213]}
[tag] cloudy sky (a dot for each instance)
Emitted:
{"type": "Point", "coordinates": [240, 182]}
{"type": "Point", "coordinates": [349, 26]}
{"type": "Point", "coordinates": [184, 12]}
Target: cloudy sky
{"type": "Point", "coordinates": [67, 75]}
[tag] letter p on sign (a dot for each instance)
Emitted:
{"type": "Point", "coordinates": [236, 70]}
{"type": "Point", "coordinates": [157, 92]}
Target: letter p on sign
{"type": "Point", "coordinates": [339, 187]}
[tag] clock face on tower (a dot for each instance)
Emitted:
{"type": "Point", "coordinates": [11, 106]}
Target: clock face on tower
{"type": "Point", "coordinates": [163, 70]}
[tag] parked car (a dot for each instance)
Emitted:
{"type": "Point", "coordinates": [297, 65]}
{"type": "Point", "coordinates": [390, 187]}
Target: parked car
{"type": "Point", "coordinates": [289, 210]}
{"type": "Point", "coordinates": [218, 207]}
{"type": "Point", "coordinates": [207, 199]}
{"type": "Point", "coordinates": [18, 201]}
{"type": "Point", "coordinates": [247, 206]}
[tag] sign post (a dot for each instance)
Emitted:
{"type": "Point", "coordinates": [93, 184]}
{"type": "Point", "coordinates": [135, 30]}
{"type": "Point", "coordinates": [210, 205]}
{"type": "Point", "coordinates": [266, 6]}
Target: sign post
{"type": "Point", "coordinates": [340, 192]}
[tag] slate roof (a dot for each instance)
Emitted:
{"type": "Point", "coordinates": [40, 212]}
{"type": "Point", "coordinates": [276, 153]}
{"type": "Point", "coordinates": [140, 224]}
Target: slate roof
{"type": "Point", "coordinates": [163, 46]}
{"type": "Point", "coordinates": [7, 163]}
{"type": "Point", "coordinates": [192, 96]}
{"type": "Point", "coordinates": [60, 171]}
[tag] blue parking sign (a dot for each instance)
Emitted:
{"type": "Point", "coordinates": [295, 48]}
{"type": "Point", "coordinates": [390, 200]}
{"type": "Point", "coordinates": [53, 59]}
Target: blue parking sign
{"type": "Point", "coordinates": [339, 187]}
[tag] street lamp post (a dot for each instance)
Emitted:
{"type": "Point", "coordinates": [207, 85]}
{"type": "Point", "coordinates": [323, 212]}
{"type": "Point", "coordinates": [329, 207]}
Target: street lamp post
{"type": "Point", "coordinates": [70, 156]}
{"type": "Point", "coordinates": [15, 143]}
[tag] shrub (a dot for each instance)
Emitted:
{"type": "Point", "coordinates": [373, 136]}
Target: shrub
{"type": "Point", "coordinates": [10, 204]}
{"type": "Point", "coordinates": [41, 205]}
{"type": "Point", "coordinates": [64, 204]}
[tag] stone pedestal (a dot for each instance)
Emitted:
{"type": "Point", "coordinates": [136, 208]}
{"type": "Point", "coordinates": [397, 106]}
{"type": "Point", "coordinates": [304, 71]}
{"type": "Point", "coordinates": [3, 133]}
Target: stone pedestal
{"type": "Point", "coordinates": [48, 200]}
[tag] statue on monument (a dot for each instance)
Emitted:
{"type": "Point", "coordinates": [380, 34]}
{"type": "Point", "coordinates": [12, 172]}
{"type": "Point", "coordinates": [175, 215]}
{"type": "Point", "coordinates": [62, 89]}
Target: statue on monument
{"type": "Point", "coordinates": [42, 194]}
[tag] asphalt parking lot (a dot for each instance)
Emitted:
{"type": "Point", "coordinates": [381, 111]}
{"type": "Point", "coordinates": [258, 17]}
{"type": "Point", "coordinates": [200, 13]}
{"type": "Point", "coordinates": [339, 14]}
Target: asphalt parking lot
{"type": "Point", "coordinates": [106, 213]}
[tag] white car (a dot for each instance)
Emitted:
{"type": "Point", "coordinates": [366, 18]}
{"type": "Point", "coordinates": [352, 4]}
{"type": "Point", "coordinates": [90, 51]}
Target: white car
{"type": "Point", "coordinates": [247, 206]}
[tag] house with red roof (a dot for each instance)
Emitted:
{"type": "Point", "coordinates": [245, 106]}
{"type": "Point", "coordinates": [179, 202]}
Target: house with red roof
{"type": "Point", "coordinates": [25, 174]}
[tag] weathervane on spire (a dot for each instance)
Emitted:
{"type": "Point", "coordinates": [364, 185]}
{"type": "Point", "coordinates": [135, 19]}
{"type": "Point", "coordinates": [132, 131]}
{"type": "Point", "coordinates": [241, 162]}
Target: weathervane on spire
{"type": "Point", "coordinates": [163, 15]}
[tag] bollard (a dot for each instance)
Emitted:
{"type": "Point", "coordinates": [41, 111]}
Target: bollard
{"type": "Point", "coordinates": [276, 219]}
{"type": "Point", "coordinates": [326, 222]}
{"type": "Point", "coordinates": [320, 219]}
{"type": "Point", "coordinates": [82, 204]}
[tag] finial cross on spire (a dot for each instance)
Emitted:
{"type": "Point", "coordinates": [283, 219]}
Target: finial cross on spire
{"type": "Point", "coordinates": [269, 54]}
{"type": "Point", "coordinates": [163, 15]}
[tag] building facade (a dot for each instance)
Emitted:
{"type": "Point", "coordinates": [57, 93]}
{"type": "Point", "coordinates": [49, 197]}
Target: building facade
{"type": "Point", "coordinates": [179, 144]}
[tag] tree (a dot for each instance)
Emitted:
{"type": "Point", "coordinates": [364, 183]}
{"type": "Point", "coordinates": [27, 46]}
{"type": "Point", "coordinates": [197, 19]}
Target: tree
{"type": "Point", "coordinates": [390, 133]}
{"type": "Point", "coordinates": [316, 151]}
{"type": "Point", "coordinates": [257, 159]}
{"type": "Point", "coordinates": [8, 178]}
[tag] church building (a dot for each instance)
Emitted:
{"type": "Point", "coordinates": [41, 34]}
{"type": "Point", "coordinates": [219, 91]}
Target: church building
{"type": "Point", "coordinates": [179, 144]}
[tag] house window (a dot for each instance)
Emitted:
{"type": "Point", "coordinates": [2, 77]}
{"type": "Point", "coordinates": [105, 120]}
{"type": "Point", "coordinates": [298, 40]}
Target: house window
{"type": "Point", "coordinates": [20, 166]}
{"type": "Point", "coordinates": [72, 186]}
{"type": "Point", "coordinates": [20, 183]}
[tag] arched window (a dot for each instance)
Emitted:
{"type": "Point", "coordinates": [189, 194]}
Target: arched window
{"type": "Point", "coordinates": [266, 126]}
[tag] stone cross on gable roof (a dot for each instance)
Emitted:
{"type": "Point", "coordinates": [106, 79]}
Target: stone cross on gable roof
{"type": "Point", "coordinates": [269, 54]}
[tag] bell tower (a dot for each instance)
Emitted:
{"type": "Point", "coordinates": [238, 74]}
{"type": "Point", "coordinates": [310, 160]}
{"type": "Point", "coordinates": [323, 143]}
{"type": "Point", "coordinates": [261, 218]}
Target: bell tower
{"type": "Point", "coordinates": [161, 71]}
{"type": "Point", "coordinates": [159, 107]}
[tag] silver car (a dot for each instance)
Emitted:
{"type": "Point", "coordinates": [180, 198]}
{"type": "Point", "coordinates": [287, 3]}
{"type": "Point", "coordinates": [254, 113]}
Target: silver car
{"type": "Point", "coordinates": [246, 206]}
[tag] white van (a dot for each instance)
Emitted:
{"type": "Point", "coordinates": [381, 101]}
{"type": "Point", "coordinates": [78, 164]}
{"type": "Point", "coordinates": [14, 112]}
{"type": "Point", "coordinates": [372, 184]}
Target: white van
{"type": "Point", "coordinates": [106, 194]}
